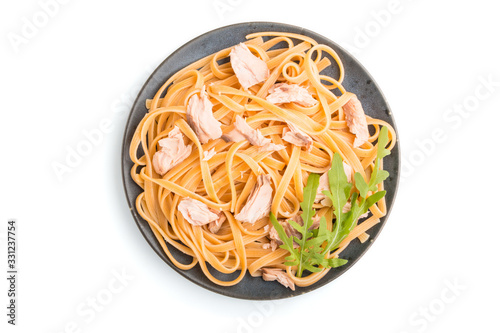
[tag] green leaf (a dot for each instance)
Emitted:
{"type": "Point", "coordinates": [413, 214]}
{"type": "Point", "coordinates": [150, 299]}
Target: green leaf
{"type": "Point", "coordinates": [316, 245]}
{"type": "Point", "coordinates": [373, 199]}
{"type": "Point", "coordinates": [336, 262]}
{"type": "Point", "coordinates": [312, 268]}
{"type": "Point", "coordinates": [378, 175]}
{"type": "Point", "coordinates": [321, 236]}
{"type": "Point", "coordinates": [339, 194]}
{"type": "Point", "coordinates": [293, 259]}
{"type": "Point", "coordinates": [383, 139]}
{"type": "Point", "coordinates": [320, 259]}
{"type": "Point", "coordinates": [296, 226]}
{"type": "Point", "coordinates": [309, 196]}
{"type": "Point", "coordinates": [307, 215]}
{"type": "Point", "coordinates": [333, 241]}
{"type": "Point", "coordinates": [361, 185]}
{"type": "Point", "coordinates": [322, 226]}
{"type": "Point", "coordinates": [351, 219]}
{"type": "Point", "coordinates": [339, 186]}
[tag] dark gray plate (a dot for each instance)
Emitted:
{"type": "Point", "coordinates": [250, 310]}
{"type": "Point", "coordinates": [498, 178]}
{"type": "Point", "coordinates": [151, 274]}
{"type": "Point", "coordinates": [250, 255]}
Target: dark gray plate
{"type": "Point", "coordinates": [357, 81]}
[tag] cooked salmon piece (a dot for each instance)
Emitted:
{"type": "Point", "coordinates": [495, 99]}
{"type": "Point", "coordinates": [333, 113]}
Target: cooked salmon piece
{"type": "Point", "coordinates": [266, 246]}
{"type": "Point", "coordinates": [356, 121]}
{"type": "Point", "coordinates": [196, 212]}
{"type": "Point", "coordinates": [214, 226]}
{"type": "Point", "coordinates": [324, 185]}
{"type": "Point", "coordinates": [243, 131]}
{"type": "Point", "coordinates": [276, 274]}
{"type": "Point", "coordinates": [297, 137]}
{"type": "Point", "coordinates": [287, 93]}
{"type": "Point", "coordinates": [316, 221]}
{"type": "Point", "coordinates": [207, 155]}
{"type": "Point", "coordinates": [248, 68]}
{"type": "Point", "coordinates": [173, 151]}
{"type": "Point", "coordinates": [273, 236]}
{"type": "Point", "coordinates": [348, 171]}
{"type": "Point", "coordinates": [201, 118]}
{"type": "Point", "coordinates": [259, 201]}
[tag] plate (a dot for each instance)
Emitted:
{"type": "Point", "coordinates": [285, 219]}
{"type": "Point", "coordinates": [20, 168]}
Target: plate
{"type": "Point", "coordinates": [357, 80]}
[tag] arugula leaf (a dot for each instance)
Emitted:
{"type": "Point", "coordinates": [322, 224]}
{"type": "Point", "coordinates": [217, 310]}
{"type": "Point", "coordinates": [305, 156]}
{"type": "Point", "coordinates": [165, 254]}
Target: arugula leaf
{"type": "Point", "coordinates": [361, 185]}
{"type": "Point", "coordinates": [315, 246]}
{"type": "Point", "coordinates": [339, 186]}
{"type": "Point", "coordinates": [378, 175]}
{"type": "Point", "coordinates": [374, 198]}
{"type": "Point", "coordinates": [383, 140]}
{"type": "Point", "coordinates": [307, 215]}
{"type": "Point", "coordinates": [321, 235]}
{"type": "Point", "coordinates": [336, 262]}
{"type": "Point", "coordinates": [344, 223]}
{"type": "Point", "coordinates": [293, 259]}
{"type": "Point", "coordinates": [309, 196]}
{"type": "Point", "coordinates": [338, 194]}
{"type": "Point", "coordinates": [309, 255]}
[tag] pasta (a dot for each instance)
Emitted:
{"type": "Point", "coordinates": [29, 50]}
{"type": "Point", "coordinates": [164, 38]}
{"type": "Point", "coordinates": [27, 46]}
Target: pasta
{"type": "Point", "coordinates": [222, 175]}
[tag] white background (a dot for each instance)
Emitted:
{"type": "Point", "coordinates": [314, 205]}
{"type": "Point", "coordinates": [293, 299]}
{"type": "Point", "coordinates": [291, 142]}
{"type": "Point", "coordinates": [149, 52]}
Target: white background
{"type": "Point", "coordinates": [83, 66]}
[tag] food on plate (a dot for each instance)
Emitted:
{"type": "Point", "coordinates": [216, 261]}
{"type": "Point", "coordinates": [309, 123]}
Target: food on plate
{"type": "Point", "coordinates": [252, 160]}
